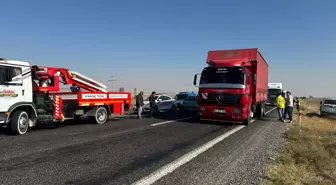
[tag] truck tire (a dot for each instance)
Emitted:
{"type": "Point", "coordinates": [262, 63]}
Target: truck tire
{"type": "Point", "coordinates": [264, 110]}
{"type": "Point", "coordinates": [260, 110]}
{"type": "Point", "coordinates": [19, 123]}
{"type": "Point", "coordinates": [101, 115]}
{"type": "Point", "coordinates": [248, 120]}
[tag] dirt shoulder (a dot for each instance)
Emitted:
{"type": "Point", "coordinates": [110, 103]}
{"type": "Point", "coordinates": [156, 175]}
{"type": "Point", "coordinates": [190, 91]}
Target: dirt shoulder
{"type": "Point", "coordinates": [309, 155]}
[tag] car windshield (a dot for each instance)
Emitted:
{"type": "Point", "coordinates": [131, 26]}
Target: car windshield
{"type": "Point", "coordinates": [156, 97]}
{"type": "Point", "coordinates": [274, 91]}
{"type": "Point", "coordinates": [181, 96]}
{"type": "Point", "coordinates": [333, 102]}
{"type": "Point", "coordinates": [231, 75]}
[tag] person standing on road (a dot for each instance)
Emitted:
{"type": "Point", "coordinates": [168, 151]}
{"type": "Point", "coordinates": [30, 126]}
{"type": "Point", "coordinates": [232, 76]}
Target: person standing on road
{"type": "Point", "coordinates": [139, 103]}
{"type": "Point", "coordinates": [289, 106]}
{"type": "Point", "coordinates": [152, 104]}
{"type": "Point", "coordinates": [280, 103]}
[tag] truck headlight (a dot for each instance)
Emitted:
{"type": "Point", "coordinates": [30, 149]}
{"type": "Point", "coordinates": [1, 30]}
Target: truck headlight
{"type": "Point", "coordinates": [3, 116]}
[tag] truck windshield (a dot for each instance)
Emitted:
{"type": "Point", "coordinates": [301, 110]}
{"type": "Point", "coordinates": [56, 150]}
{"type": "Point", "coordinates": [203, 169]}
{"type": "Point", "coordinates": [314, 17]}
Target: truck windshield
{"type": "Point", "coordinates": [333, 102]}
{"type": "Point", "coordinates": [229, 75]}
{"type": "Point", "coordinates": [274, 91]}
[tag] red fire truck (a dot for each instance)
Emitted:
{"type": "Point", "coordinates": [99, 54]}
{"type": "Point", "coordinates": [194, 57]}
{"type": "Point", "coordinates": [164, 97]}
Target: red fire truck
{"type": "Point", "coordinates": [32, 95]}
{"type": "Point", "coordinates": [233, 87]}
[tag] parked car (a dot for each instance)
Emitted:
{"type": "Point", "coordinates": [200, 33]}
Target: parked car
{"type": "Point", "coordinates": [181, 96]}
{"type": "Point", "coordinates": [190, 103]}
{"type": "Point", "coordinates": [328, 107]}
{"type": "Point", "coordinates": [163, 103]}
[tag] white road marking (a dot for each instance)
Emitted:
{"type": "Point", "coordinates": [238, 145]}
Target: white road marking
{"type": "Point", "coordinates": [160, 123]}
{"type": "Point", "coordinates": [169, 168]}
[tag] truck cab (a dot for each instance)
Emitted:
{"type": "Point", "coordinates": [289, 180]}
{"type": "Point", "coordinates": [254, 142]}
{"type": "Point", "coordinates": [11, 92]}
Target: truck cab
{"type": "Point", "coordinates": [233, 87]}
{"type": "Point", "coordinates": [274, 89]}
{"type": "Point", "coordinates": [16, 92]}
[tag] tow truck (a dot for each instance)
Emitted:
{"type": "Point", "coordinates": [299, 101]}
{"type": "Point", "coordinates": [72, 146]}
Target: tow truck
{"type": "Point", "coordinates": [32, 95]}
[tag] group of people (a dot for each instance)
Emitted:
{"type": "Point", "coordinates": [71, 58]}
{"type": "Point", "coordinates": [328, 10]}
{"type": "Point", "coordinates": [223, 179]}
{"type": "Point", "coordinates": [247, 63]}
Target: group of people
{"type": "Point", "coordinates": [140, 103]}
{"type": "Point", "coordinates": [285, 103]}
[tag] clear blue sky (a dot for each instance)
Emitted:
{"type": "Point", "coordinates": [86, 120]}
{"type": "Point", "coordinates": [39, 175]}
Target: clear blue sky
{"type": "Point", "coordinates": [160, 45]}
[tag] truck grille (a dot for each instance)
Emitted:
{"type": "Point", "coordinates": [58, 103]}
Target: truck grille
{"type": "Point", "coordinates": [214, 98]}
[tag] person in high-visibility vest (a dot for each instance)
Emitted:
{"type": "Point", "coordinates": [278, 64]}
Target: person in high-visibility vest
{"type": "Point", "coordinates": [280, 103]}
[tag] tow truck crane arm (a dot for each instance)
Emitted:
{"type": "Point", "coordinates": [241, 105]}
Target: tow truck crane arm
{"type": "Point", "coordinates": [49, 79]}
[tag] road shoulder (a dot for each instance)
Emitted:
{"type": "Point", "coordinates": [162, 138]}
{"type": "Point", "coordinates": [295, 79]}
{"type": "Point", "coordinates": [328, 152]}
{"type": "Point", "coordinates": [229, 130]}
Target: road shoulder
{"type": "Point", "coordinates": [239, 159]}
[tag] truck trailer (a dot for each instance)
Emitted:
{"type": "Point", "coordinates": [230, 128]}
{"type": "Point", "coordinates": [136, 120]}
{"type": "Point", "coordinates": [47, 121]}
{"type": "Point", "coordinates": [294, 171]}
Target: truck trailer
{"type": "Point", "coordinates": [233, 87]}
{"type": "Point", "coordinates": [274, 89]}
{"type": "Point", "coordinates": [31, 95]}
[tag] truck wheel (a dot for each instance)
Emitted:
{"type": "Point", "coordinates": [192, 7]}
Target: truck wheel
{"type": "Point", "coordinates": [248, 120]}
{"type": "Point", "coordinates": [261, 110]}
{"type": "Point", "coordinates": [19, 123]}
{"type": "Point", "coordinates": [263, 113]}
{"type": "Point", "coordinates": [101, 115]}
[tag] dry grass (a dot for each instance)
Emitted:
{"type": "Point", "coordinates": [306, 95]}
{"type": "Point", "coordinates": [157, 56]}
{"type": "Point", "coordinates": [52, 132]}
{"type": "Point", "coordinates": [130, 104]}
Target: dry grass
{"type": "Point", "coordinates": [309, 156]}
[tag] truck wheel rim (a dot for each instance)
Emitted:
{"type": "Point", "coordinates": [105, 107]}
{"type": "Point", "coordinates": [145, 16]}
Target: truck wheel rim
{"type": "Point", "coordinates": [23, 123]}
{"type": "Point", "coordinates": [101, 116]}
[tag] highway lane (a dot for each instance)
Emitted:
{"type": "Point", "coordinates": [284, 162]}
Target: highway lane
{"type": "Point", "coordinates": [240, 159]}
{"type": "Point", "coordinates": [119, 152]}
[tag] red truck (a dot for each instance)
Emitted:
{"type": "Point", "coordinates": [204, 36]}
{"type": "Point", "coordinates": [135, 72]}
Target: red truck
{"type": "Point", "coordinates": [233, 87]}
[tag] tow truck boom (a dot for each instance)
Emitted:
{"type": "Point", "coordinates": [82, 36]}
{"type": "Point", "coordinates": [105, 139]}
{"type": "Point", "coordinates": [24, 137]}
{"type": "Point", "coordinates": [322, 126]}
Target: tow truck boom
{"type": "Point", "coordinates": [49, 79]}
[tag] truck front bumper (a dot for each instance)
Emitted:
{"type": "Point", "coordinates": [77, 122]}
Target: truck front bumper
{"type": "Point", "coordinates": [3, 118]}
{"type": "Point", "coordinates": [223, 114]}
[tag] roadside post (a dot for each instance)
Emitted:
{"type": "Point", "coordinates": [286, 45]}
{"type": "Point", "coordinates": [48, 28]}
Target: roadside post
{"type": "Point", "coordinates": [299, 112]}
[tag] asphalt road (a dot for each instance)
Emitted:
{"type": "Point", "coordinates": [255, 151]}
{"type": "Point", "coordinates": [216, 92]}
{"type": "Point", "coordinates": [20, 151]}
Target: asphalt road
{"type": "Point", "coordinates": [127, 151]}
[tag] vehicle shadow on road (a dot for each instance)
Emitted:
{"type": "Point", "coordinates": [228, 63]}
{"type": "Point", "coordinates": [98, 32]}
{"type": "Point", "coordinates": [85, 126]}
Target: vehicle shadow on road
{"type": "Point", "coordinates": [190, 116]}
{"type": "Point", "coordinates": [312, 114]}
{"type": "Point", "coordinates": [316, 115]}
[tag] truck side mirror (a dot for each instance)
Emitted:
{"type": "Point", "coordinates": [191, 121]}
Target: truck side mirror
{"type": "Point", "coordinates": [254, 78]}
{"type": "Point", "coordinates": [195, 79]}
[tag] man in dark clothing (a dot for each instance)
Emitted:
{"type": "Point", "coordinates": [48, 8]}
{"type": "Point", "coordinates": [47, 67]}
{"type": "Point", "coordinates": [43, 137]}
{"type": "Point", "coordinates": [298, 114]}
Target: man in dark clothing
{"type": "Point", "coordinates": [139, 103]}
{"type": "Point", "coordinates": [152, 104]}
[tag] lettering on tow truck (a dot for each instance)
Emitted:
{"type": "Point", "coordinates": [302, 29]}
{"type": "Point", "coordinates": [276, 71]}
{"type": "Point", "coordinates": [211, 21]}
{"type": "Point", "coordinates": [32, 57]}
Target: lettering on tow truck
{"type": "Point", "coordinates": [119, 96]}
{"type": "Point", "coordinates": [10, 93]}
{"type": "Point", "coordinates": [94, 96]}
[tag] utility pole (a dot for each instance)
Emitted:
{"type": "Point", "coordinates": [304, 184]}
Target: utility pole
{"type": "Point", "coordinates": [186, 86]}
{"type": "Point", "coordinates": [112, 80]}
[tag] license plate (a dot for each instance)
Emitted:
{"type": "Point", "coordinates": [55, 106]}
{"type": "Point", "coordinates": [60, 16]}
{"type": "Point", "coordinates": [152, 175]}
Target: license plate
{"type": "Point", "coordinates": [219, 111]}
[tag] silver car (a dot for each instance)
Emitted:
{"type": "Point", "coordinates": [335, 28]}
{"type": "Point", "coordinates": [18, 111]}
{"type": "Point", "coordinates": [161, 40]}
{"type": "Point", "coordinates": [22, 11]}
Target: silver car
{"type": "Point", "coordinates": [163, 103]}
{"type": "Point", "coordinates": [328, 107]}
